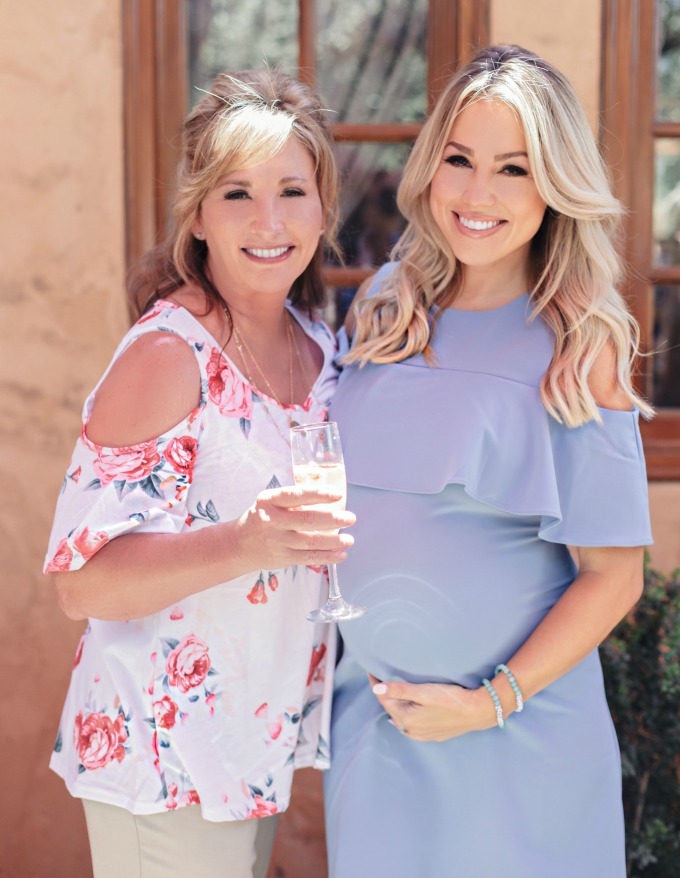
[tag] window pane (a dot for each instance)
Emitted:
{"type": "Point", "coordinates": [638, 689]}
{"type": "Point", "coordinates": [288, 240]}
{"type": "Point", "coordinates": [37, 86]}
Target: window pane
{"type": "Point", "coordinates": [371, 222]}
{"type": "Point", "coordinates": [667, 201]}
{"type": "Point", "coordinates": [668, 62]}
{"type": "Point", "coordinates": [226, 35]}
{"type": "Point", "coordinates": [371, 59]}
{"type": "Point", "coordinates": [666, 389]}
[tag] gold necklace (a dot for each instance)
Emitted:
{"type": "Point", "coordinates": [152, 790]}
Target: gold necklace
{"type": "Point", "coordinates": [241, 343]}
{"type": "Point", "coordinates": [303, 368]}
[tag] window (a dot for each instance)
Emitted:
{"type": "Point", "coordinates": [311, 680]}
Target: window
{"type": "Point", "coordinates": [641, 138]}
{"type": "Point", "coordinates": [379, 64]}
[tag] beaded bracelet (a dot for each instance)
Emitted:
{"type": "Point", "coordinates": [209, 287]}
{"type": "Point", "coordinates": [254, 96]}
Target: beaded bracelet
{"type": "Point", "coordinates": [496, 703]}
{"type": "Point", "coordinates": [515, 685]}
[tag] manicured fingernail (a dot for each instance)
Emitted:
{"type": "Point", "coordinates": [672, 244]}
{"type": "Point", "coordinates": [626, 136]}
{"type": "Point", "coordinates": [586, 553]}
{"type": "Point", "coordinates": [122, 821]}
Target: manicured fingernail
{"type": "Point", "coordinates": [380, 689]}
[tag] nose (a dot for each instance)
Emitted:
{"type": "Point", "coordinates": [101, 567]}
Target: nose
{"type": "Point", "coordinates": [479, 189]}
{"type": "Point", "coordinates": [268, 216]}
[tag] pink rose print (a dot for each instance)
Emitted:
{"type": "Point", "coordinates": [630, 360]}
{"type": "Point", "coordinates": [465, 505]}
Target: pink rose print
{"type": "Point", "coordinates": [263, 808]}
{"type": "Point", "coordinates": [275, 729]}
{"type": "Point", "coordinates": [87, 543]}
{"type": "Point", "coordinates": [99, 740]}
{"type": "Point", "coordinates": [188, 663]}
{"type": "Point", "coordinates": [176, 614]}
{"type": "Point", "coordinates": [165, 712]}
{"type": "Point", "coordinates": [318, 652]}
{"type": "Point", "coordinates": [181, 454]}
{"type": "Point", "coordinates": [190, 797]}
{"type": "Point", "coordinates": [130, 463]}
{"type": "Point", "coordinates": [273, 581]}
{"type": "Point", "coordinates": [62, 558]}
{"type": "Point", "coordinates": [261, 711]}
{"type": "Point", "coordinates": [257, 593]}
{"type": "Point", "coordinates": [225, 388]}
{"type": "Point", "coordinates": [75, 475]}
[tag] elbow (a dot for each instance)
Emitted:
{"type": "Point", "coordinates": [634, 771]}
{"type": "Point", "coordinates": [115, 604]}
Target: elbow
{"type": "Point", "coordinates": [636, 588]}
{"type": "Point", "coordinates": [66, 596]}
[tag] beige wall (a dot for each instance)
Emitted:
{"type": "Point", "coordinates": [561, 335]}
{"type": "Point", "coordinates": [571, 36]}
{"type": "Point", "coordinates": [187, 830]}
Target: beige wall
{"type": "Point", "coordinates": [61, 314]}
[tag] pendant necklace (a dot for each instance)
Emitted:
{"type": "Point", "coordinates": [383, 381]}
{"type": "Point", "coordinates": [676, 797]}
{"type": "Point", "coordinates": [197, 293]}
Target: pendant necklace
{"type": "Point", "coordinates": [242, 347]}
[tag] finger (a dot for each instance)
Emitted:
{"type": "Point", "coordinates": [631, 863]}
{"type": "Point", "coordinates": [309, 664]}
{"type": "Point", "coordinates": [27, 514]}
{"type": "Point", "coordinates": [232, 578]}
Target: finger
{"type": "Point", "coordinates": [395, 691]}
{"type": "Point", "coordinates": [292, 497]}
{"type": "Point", "coordinates": [313, 519]}
{"type": "Point", "coordinates": [319, 541]}
{"type": "Point", "coordinates": [398, 727]}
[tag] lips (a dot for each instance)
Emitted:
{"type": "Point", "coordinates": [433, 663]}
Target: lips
{"type": "Point", "coordinates": [272, 253]}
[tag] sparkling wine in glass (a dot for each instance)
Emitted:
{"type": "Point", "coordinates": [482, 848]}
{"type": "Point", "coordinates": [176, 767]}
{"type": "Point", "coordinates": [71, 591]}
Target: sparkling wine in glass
{"type": "Point", "coordinates": [318, 465]}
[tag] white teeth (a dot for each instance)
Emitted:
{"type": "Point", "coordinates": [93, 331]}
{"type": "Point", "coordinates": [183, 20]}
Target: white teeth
{"type": "Point", "coordinates": [478, 225]}
{"type": "Point", "coordinates": [266, 254]}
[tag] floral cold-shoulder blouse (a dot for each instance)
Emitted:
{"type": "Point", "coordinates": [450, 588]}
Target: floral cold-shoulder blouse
{"type": "Point", "coordinates": [218, 698]}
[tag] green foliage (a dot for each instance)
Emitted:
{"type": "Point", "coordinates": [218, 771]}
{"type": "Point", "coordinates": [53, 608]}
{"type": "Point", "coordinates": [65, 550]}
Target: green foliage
{"type": "Point", "coordinates": [641, 661]}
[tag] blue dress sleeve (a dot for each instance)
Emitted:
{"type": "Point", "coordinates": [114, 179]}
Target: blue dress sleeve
{"type": "Point", "coordinates": [601, 483]}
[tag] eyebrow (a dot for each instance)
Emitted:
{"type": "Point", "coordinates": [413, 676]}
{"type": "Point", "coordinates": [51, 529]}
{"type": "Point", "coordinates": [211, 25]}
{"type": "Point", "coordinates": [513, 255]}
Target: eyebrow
{"type": "Point", "coordinates": [245, 184]}
{"type": "Point", "coordinates": [500, 157]}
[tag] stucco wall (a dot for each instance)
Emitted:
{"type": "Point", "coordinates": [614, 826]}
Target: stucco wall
{"type": "Point", "coordinates": [61, 313]}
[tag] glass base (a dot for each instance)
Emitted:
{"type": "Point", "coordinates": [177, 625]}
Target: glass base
{"type": "Point", "coordinates": [336, 611]}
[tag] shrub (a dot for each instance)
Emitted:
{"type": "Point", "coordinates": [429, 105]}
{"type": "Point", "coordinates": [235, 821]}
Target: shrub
{"type": "Point", "coordinates": [641, 661]}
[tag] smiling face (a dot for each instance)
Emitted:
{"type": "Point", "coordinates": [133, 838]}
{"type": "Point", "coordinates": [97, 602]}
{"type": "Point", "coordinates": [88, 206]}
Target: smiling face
{"type": "Point", "coordinates": [483, 196]}
{"type": "Point", "coordinates": [262, 225]}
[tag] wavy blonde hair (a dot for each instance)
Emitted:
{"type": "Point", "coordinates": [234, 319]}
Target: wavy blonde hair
{"type": "Point", "coordinates": [244, 119]}
{"type": "Point", "coordinates": [575, 266]}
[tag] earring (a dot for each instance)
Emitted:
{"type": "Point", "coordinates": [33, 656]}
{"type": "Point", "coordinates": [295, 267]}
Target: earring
{"type": "Point", "coordinates": [199, 236]}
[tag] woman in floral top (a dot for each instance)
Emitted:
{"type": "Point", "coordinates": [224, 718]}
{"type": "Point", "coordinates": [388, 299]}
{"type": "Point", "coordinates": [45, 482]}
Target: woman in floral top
{"type": "Point", "coordinates": [198, 680]}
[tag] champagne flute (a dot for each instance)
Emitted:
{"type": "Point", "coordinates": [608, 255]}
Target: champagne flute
{"type": "Point", "coordinates": [318, 464]}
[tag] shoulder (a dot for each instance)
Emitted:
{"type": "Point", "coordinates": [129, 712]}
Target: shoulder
{"type": "Point", "coordinates": [604, 384]}
{"type": "Point", "coordinates": [151, 386]}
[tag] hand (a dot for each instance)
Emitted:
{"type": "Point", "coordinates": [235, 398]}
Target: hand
{"type": "Point", "coordinates": [282, 528]}
{"type": "Point", "coordinates": [434, 711]}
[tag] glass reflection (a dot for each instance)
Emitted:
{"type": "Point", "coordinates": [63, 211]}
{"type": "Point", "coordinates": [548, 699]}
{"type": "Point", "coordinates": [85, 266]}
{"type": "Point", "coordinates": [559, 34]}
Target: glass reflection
{"type": "Point", "coordinates": [372, 59]}
{"type": "Point", "coordinates": [666, 215]}
{"type": "Point", "coordinates": [666, 383]}
{"type": "Point", "coordinates": [371, 221]}
{"type": "Point", "coordinates": [224, 35]}
{"type": "Point", "coordinates": [668, 61]}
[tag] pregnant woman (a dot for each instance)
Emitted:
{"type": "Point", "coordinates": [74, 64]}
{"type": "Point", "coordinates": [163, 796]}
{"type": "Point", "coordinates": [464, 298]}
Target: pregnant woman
{"type": "Point", "coordinates": [489, 423]}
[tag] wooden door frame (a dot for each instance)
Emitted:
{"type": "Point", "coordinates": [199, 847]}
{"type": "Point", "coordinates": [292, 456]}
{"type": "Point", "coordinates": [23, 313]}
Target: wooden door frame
{"type": "Point", "coordinates": [627, 134]}
{"type": "Point", "coordinates": [155, 93]}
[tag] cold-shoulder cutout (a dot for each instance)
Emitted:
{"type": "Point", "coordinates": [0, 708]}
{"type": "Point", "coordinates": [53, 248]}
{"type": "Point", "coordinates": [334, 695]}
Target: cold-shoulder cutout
{"type": "Point", "coordinates": [153, 386]}
{"type": "Point", "coordinates": [603, 383]}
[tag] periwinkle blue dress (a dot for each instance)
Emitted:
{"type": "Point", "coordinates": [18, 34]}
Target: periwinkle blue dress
{"type": "Point", "coordinates": [466, 494]}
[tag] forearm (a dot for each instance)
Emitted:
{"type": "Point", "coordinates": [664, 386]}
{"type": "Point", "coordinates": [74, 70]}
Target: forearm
{"type": "Point", "coordinates": [580, 620]}
{"type": "Point", "coordinates": [139, 574]}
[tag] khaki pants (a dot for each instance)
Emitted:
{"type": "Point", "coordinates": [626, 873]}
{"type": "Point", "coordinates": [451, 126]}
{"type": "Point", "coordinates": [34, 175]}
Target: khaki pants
{"type": "Point", "coordinates": [176, 844]}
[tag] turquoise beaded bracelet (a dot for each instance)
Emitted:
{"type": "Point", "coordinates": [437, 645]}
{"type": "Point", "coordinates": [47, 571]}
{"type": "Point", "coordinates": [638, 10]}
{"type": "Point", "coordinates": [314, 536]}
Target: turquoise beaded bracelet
{"type": "Point", "coordinates": [496, 703]}
{"type": "Point", "coordinates": [519, 700]}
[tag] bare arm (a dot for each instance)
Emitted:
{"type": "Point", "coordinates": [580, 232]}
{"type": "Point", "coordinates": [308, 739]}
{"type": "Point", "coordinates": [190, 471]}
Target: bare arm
{"type": "Point", "coordinates": [152, 387]}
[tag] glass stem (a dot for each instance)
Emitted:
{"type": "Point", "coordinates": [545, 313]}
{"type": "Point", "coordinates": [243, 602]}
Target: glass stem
{"type": "Point", "coordinates": [333, 587]}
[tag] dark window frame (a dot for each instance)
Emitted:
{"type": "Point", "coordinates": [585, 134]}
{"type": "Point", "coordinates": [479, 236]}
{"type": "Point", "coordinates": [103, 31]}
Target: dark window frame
{"type": "Point", "coordinates": [628, 132]}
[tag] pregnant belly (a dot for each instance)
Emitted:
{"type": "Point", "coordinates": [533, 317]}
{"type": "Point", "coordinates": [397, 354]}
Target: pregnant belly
{"type": "Point", "coordinates": [452, 586]}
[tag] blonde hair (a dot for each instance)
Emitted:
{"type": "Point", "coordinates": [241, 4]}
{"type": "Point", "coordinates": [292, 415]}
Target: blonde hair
{"type": "Point", "coordinates": [245, 118]}
{"type": "Point", "coordinates": [573, 257]}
